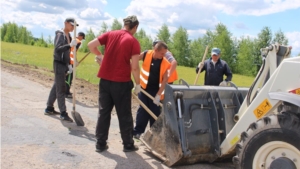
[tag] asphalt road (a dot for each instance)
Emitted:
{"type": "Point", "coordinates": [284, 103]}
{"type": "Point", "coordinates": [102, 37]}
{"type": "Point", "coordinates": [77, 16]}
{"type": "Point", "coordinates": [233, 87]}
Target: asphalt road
{"type": "Point", "coordinates": [30, 139]}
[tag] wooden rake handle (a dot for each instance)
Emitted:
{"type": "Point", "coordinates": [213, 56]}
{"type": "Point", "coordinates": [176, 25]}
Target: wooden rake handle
{"type": "Point", "coordinates": [74, 67]}
{"type": "Point", "coordinates": [83, 58]}
{"type": "Point", "coordinates": [145, 107]}
{"type": "Point", "coordinates": [200, 68]}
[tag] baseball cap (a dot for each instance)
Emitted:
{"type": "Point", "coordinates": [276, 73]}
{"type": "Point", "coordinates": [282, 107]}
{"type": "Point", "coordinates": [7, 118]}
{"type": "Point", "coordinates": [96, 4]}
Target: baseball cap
{"type": "Point", "coordinates": [155, 42]}
{"type": "Point", "coordinates": [71, 21]}
{"type": "Point", "coordinates": [215, 51]}
{"type": "Point", "coordinates": [81, 34]}
{"type": "Point", "coordinates": [131, 18]}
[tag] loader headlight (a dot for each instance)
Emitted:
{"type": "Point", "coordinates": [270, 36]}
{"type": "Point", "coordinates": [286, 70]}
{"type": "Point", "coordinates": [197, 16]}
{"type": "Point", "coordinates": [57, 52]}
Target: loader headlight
{"type": "Point", "coordinates": [296, 91]}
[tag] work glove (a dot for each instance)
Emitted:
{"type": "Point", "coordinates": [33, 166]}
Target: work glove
{"type": "Point", "coordinates": [201, 64]}
{"type": "Point", "coordinates": [156, 100]}
{"type": "Point", "coordinates": [98, 59]}
{"type": "Point", "coordinates": [70, 69]}
{"type": "Point", "coordinates": [224, 83]}
{"type": "Point", "coordinates": [73, 43]}
{"type": "Point", "coordinates": [137, 89]}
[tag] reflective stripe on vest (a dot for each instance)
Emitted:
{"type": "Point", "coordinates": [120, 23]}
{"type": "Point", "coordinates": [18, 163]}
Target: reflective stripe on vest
{"type": "Point", "coordinates": [72, 52]}
{"type": "Point", "coordinates": [145, 70]}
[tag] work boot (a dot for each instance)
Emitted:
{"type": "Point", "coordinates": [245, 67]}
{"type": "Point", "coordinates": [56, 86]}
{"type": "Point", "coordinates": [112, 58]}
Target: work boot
{"type": "Point", "coordinates": [50, 111]}
{"type": "Point", "coordinates": [130, 148]}
{"type": "Point", "coordinates": [100, 149]}
{"type": "Point", "coordinates": [137, 136]}
{"type": "Point", "coordinates": [64, 116]}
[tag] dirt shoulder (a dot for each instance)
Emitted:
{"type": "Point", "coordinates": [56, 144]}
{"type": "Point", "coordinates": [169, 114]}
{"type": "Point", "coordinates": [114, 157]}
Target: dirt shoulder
{"type": "Point", "coordinates": [87, 93]}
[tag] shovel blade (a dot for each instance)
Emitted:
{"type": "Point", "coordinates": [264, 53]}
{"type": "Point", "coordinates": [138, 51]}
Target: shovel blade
{"type": "Point", "coordinates": [77, 117]}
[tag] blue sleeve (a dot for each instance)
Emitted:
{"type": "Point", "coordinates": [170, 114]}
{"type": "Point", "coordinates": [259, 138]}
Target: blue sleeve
{"type": "Point", "coordinates": [228, 73]}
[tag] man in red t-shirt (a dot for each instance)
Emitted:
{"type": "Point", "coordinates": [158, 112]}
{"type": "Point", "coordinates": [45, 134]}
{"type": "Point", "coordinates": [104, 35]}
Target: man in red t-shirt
{"type": "Point", "coordinates": [121, 58]}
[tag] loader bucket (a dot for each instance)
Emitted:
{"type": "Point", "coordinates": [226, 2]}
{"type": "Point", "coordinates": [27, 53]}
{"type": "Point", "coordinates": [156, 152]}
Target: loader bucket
{"type": "Point", "coordinates": [193, 123]}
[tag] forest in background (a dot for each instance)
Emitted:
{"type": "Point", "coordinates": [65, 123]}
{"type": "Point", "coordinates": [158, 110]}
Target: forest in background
{"type": "Point", "coordinates": [241, 53]}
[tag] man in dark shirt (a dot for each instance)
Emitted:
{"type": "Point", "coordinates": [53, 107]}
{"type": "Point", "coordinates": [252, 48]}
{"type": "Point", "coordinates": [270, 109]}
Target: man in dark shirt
{"type": "Point", "coordinates": [61, 66]}
{"type": "Point", "coordinates": [215, 69]}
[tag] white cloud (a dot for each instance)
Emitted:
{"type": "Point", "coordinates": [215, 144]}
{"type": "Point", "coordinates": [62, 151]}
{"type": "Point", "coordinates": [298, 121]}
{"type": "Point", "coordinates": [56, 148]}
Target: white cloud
{"type": "Point", "coordinates": [43, 6]}
{"type": "Point", "coordinates": [294, 41]}
{"type": "Point", "coordinates": [194, 15]}
{"type": "Point", "coordinates": [44, 16]}
{"type": "Point", "coordinates": [93, 13]}
{"type": "Point", "coordinates": [173, 17]}
{"type": "Point", "coordinates": [255, 7]}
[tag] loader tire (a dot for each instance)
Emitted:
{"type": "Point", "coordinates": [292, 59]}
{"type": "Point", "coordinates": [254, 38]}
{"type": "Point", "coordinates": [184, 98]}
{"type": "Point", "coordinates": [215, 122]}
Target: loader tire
{"type": "Point", "coordinates": [271, 142]}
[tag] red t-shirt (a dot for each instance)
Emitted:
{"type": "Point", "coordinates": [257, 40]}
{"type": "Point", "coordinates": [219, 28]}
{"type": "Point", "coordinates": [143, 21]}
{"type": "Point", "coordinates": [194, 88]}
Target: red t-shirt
{"type": "Point", "coordinates": [120, 45]}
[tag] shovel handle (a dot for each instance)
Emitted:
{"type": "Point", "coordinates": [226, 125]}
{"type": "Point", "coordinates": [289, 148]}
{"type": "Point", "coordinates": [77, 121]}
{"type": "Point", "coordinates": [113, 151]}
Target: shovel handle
{"type": "Point", "coordinates": [151, 97]}
{"type": "Point", "coordinates": [145, 107]}
{"type": "Point", "coordinates": [74, 67]}
{"type": "Point", "coordinates": [200, 68]}
{"type": "Point", "coordinates": [83, 58]}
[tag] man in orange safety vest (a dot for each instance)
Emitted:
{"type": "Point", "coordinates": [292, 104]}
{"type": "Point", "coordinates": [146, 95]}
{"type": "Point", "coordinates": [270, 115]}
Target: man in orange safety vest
{"type": "Point", "coordinates": [153, 79]}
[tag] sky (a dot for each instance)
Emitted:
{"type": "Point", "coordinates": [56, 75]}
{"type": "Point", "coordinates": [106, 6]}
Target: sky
{"type": "Point", "coordinates": [241, 17]}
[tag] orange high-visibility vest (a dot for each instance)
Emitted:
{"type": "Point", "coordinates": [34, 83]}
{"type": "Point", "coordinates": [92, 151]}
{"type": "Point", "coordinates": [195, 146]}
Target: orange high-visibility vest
{"type": "Point", "coordinates": [145, 70]}
{"type": "Point", "coordinates": [71, 52]}
{"type": "Point", "coordinates": [173, 77]}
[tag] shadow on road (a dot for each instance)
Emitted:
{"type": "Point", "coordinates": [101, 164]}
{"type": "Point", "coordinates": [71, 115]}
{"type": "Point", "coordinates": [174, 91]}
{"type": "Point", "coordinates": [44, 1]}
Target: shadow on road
{"type": "Point", "coordinates": [79, 131]}
{"type": "Point", "coordinates": [80, 103]}
{"type": "Point", "coordinates": [133, 160]}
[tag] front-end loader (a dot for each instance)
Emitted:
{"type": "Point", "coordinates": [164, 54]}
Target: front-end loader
{"type": "Point", "coordinates": [258, 127]}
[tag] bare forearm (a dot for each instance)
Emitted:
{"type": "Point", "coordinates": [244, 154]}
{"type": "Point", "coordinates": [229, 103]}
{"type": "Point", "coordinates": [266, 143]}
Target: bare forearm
{"type": "Point", "coordinates": [136, 75]}
{"type": "Point", "coordinates": [135, 68]}
{"type": "Point", "coordinates": [163, 84]}
{"type": "Point", "coordinates": [93, 47]}
{"type": "Point", "coordinates": [173, 67]}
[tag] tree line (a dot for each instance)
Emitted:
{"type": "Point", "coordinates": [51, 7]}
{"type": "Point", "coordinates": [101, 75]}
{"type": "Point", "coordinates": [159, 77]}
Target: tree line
{"type": "Point", "coordinates": [242, 54]}
{"type": "Point", "coordinates": [11, 32]}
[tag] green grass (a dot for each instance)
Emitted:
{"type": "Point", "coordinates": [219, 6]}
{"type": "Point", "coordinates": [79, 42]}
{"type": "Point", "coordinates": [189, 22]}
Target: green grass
{"type": "Point", "coordinates": [43, 58]}
{"type": "Point", "coordinates": [189, 75]}
{"type": "Point", "coordinates": [88, 69]}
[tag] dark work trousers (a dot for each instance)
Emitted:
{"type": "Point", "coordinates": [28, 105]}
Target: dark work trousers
{"type": "Point", "coordinates": [116, 94]}
{"type": "Point", "coordinates": [58, 89]}
{"type": "Point", "coordinates": [69, 79]}
{"type": "Point", "coordinates": [142, 116]}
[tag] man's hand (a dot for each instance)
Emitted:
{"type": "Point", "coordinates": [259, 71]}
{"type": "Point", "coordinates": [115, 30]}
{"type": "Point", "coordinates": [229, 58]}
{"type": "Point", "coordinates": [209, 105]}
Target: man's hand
{"type": "Point", "coordinates": [73, 43]}
{"type": "Point", "coordinates": [98, 59]}
{"type": "Point", "coordinates": [201, 64]}
{"type": "Point", "coordinates": [70, 69]}
{"type": "Point", "coordinates": [137, 89]}
{"type": "Point", "coordinates": [224, 83]}
{"type": "Point", "coordinates": [156, 100]}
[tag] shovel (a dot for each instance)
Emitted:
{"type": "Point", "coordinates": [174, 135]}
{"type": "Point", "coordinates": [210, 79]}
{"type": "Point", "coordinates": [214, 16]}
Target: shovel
{"type": "Point", "coordinates": [83, 58]}
{"type": "Point", "coordinates": [200, 68]}
{"type": "Point", "coordinates": [76, 116]}
{"type": "Point", "coordinates": [144, 106]}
